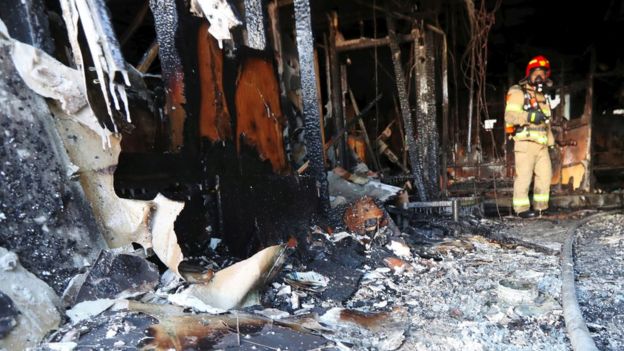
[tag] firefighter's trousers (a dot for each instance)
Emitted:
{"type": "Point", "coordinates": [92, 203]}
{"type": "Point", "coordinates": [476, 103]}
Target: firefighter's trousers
{"type": "Point", "coordinates": [532, 159]}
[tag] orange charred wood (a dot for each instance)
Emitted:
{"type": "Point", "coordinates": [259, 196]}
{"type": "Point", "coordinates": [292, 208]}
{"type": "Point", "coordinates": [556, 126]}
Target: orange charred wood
{"type": "Point", "coordinates": [259, 115]}
{"type": "Point", "coordinates": [214, 117]}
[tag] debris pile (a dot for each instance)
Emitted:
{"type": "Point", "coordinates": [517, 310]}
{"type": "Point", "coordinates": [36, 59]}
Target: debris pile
{"type": "Point", "coordinates": [600, 272]}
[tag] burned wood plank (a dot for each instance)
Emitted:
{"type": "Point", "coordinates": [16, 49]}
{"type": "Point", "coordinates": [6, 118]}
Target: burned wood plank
{"type": "Point", "coordinates": [336, 98]}
{"type": "Point", "coordinates": [426, 116]}
{"type": "Point", "coordinates": [405, 110]}
{"type": "Point", "coordinates": [352, 122]}
{"type": "Point", "coordinates": [260, 121]}
{"type": "Point", "coordinates": [369, 146]}
{"type": "Point", "coordinates": [214, 116]}
{"type": "Point", "coordinates": [148, 58]}
{"type": "Point", "coordinates": [166, 22]}
{"type": "Point", "coordinates": [314, 141]}
{"type": "Point", "coordinates": [445, 108]}
{"type": "Point", "coordinates": [366, 43]}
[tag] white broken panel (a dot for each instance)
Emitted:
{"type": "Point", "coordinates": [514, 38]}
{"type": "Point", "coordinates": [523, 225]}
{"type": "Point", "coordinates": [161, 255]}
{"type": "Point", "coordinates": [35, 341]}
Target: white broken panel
{"type": "Point", "coordinates": [88, 309]}
{"type": "Point", "coordinates": [103, 47]}
{"type": "Point", "coordinates": [164, 239]}
{"type": "Point", "coordinates": [186, 298]}
{"type": "Point", "coordinates": [50, 78]}
{"type": "Point", "coordinates": [254, 24]}
{"type": "Point", "coordinates": [123, 221]}
{"type": "Point", "coordinates": [233, 286]}
{"type": "Point", "coordinates": [47, 77]}
{"type": "Point", "coordinates": [35, 300]}
{"type": "Point", "coordinates": [220, 15]}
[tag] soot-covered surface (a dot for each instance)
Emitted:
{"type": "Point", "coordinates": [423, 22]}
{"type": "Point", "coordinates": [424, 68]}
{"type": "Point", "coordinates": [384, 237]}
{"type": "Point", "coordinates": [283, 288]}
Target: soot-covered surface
{"type": "Point", "coordinates": [44, 218]}
{"type": "Point", "coordinates": [599, 253]}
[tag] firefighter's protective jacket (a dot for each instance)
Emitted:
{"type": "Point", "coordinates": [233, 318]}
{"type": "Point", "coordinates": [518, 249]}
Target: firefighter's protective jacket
{"type": "Point", "coordinates": [517, 112]}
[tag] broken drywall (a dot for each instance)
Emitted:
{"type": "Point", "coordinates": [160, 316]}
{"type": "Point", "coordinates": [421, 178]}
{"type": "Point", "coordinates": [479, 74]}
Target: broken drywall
{"type": "Point", "coordinates": [35, 300]}
{"type": "Point", "coordinates": [123, 221]}
{"type": "Point", "coordinates": [44, 216]}
{"type": "Point", "coordinates": [235, 286]}
{"type": "Point", "coordinates": [104, 49]}
{"type": "Point", "coordinates": [116, 276]}
{"type": "Point", "coordinates": [220, 15]}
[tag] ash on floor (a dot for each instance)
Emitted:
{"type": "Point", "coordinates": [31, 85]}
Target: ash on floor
{"type": "Point", "coordinates": [600, 279]}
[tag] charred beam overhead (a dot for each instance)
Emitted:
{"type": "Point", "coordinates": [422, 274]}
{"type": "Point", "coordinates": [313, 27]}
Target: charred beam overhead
{"type": "Point", "coordinates": [366, 43]}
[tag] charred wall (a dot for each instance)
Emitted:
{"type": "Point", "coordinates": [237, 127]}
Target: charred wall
{"type": "Point", "coordinates": [44, 217]}
{"type": "Point", "coordinates": [231, 170]}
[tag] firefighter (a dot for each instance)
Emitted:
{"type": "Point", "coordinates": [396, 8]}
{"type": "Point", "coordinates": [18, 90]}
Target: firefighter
{"type": "Point", "coordinates": [527, 118]}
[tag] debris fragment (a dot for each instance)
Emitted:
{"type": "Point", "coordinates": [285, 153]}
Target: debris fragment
{"type": "Point", "coordinates": [516, 292]}
{"type": "Point", "coordinates": [36, 302]}
{"type": "Point", "coordinates": [186, 298]}
{"type": "Point", "coordinates": [352, 192]}
{"type": "Point", "coordinates": [88, 309]}
{"type": "Point", "coordinates": [164, 239]}
{"type": "Point", "coordinates": [364, 216]}
{"type": "Point", "coordinates": [8, 315]}
{"type": "Point", "coordinates": [235, 286]}
{"type": "Point", "coordinates": [381, 330]}
{"type": "Point", "coordinates": [307, 281]}
{"type": "Point", "coordinates": [273, 313]}
{"type": "Point", "coordinates": [400, 249]}
{"type": "Point", "coordinates": [115, 276]}
{"type": "Point", "coordinates": [396, 264]}
{"type": "Point", "coordinates": [220, 15]}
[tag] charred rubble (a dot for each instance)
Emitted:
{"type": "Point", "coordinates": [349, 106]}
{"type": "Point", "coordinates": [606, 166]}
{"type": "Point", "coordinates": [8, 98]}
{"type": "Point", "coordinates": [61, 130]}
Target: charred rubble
{"type": "Point", "coordinates": [303, 175]}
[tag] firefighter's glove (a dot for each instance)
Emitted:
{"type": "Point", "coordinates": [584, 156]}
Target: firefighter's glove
{"type": "Point", "coordinates": [536, 117]}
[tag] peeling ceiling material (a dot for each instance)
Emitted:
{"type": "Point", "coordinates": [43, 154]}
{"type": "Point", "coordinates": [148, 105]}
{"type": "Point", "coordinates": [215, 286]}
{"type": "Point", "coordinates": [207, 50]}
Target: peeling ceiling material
{"type": "Point", "coordinates": [108, 61]}
{"type": "Point", "coordinates": [123, 221]}
{"type": "Point", "coordinates": [35, 300]}
{"type": "Point", "coordinates": [38, 71]}
{"type": "Point", "coordinates": [220, 15]}
{"type": "Point", "coordinates": [236, 285]}
{"type": "Point", "coordinates": [164, 238]}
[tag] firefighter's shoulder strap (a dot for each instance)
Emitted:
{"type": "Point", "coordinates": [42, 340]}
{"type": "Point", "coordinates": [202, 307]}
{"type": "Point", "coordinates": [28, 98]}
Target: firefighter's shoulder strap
{"type": "Point", "coordinates": [515, 113]}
